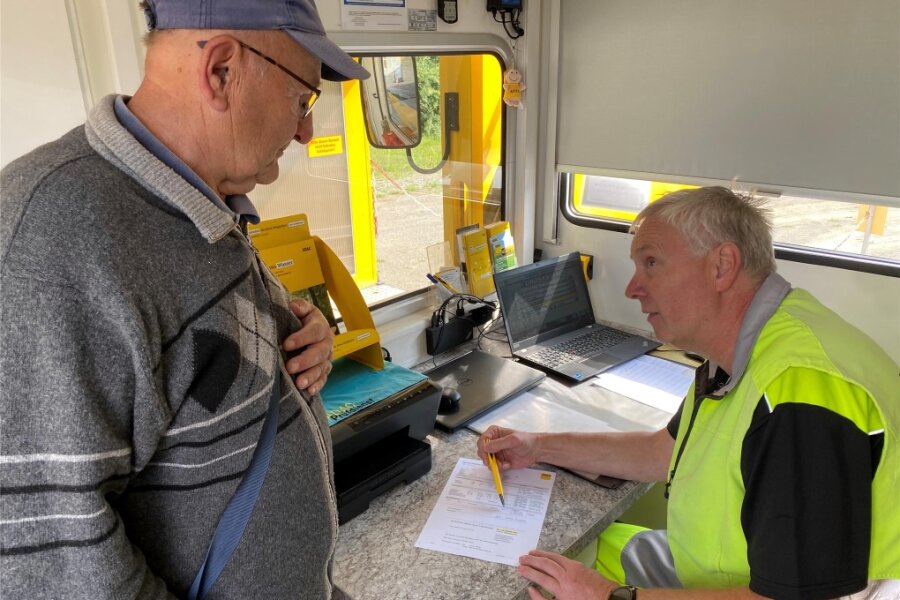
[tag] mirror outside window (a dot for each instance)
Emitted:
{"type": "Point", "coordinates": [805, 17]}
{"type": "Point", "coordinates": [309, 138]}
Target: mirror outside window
{"type": "Point", "coordinates": [390, 101]}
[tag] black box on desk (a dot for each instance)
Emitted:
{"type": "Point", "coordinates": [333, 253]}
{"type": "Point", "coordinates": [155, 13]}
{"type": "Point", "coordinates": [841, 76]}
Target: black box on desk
{"type": "Point", "coordinates": [364, 476]}
{"type": "Point", "coordinates": [451, 334]}
{"type": "Point", "coordinates": [379, 420]}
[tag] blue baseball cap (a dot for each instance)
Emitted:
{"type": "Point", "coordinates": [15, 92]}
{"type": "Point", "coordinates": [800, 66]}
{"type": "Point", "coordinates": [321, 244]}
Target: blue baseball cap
{"type": "Point", "coordinates": [298, 18]}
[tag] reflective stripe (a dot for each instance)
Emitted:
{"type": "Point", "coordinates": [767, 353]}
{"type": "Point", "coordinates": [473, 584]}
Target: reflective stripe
{"type": "Point", "coordinates": [633, 555]}
{"type": "Point", "coordinates": [609, 550]}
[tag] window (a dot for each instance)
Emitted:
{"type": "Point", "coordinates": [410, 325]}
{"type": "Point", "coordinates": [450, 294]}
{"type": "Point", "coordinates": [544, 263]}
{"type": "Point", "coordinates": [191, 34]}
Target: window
{"type": "Point", "coordinates": [813, 225]}
{"type": "Point", "coordinates": [379, 209]}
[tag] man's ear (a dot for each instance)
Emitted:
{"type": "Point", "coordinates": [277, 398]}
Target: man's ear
{"type": "Point", "coordinates": [218, 63]}
{"type": "Point", "coordinates": [728, 262]}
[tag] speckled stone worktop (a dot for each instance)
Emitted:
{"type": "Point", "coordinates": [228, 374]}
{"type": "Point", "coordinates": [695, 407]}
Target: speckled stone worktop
{"type": "Point", "coordinates": [376, 557]}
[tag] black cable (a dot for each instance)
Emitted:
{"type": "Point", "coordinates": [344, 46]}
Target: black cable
{"type": "Point", "coordinates": [440, 165]}
{"type": "Point", "coordinates": [498, 336]}
{"type": "Point", "coordinates": [482, 333]}
{"type": "Point", "coordinates": [439, 316]}
{"type": "Point", "coordinates": [490, 328]}
{"type": "Point", "coordinates": [513, 20]}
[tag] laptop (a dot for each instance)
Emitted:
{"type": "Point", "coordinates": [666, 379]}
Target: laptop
{"type": "Point", "coordinates": [483, 381]}
{"type": "Point", "coordinates": [550, 321]}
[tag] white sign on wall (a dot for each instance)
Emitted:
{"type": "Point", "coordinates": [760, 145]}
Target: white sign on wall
{"type": "Point", "coordinates": [388, 15]}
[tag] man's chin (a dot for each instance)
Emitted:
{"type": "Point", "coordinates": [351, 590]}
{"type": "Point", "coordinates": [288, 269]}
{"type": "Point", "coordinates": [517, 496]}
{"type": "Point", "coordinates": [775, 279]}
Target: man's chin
{"type": "Point", "coordinates": [659, 329]}
{"type": "Point", "coordinates": [268, 176]}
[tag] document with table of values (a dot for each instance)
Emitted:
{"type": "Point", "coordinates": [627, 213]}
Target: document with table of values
{"type": "Point", "coordinates": [468, 519]}
{"type": "Point", "coordinates": [653, 381]}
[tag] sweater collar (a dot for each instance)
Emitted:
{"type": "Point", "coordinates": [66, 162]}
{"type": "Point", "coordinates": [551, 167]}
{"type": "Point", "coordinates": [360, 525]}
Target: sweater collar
{"type": "Point", "coordinates": [237, 203]}
{"type": "Point", "coordinates": [117, 145]}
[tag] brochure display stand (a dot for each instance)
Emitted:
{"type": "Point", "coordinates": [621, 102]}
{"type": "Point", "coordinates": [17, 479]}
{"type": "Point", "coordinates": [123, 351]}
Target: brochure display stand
{"type": "Point", "coordinates": [309, 269]}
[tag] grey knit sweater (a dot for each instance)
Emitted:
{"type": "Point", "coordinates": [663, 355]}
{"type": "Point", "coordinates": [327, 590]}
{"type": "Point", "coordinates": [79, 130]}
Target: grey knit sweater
{"type": "Point", "coordinates": [139, 346]}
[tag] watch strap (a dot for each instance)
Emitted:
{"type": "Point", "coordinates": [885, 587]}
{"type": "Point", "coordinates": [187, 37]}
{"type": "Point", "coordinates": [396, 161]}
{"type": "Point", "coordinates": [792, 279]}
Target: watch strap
{"type": "Point", "coordinates": [625, 592]}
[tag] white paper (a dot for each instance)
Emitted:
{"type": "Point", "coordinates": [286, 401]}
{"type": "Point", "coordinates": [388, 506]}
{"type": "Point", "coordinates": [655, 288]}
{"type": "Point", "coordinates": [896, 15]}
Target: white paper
{"type": "Point", "coordinates": [653, 381]}
{"type": "Point", "coordinates": [532, 412]}
{"type": "Point", "coordinates": [380, 15]}
{"type": "Point", "coordinates": [468, 519]}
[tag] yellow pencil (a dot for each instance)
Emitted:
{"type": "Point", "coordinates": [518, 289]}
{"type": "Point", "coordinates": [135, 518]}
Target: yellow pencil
{"type": "Point", "coordinates": [443, 282]}
{"type": "Point", "coordinates": [492, 461]}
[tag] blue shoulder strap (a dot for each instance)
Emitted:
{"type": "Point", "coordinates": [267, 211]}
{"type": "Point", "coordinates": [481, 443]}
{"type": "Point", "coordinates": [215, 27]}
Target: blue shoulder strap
{"type": "Point", "coordinates": [234, 520]}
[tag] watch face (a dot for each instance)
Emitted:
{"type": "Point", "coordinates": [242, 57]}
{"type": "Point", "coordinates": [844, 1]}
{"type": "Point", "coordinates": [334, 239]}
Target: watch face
{"type": "Point", "coordinates": [623, 593]}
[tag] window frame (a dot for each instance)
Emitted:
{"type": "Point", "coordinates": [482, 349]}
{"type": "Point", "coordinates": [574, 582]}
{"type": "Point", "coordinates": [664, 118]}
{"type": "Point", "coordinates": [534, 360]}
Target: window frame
{"type": "Point", "coordinates": [783, 251]}
{"type": "Point", "coordinates": [371, 44]}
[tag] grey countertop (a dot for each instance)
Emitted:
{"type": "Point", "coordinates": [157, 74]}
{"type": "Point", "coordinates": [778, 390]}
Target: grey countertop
{"type": "Point", "coordinates": [377, 558]}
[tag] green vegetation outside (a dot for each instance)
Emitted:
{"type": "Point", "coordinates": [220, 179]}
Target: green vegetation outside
{"type": "Point", "coordinates": [390, 169]}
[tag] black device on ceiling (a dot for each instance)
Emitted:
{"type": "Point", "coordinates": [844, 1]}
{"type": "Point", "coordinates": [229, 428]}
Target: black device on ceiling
{"type": "Point", "coordinates": [448, 10]}
{"type": "Point", "coordinates": [495, 5]}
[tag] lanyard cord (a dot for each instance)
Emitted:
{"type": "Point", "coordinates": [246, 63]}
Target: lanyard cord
{"type": "Point", "coordinates": [687, 434]}
{"type": "Point", "coordinates": [703, 387]}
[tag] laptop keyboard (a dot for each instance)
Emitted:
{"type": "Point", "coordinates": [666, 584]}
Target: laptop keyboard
{"type": "Point", "coordinates": [584, 345]}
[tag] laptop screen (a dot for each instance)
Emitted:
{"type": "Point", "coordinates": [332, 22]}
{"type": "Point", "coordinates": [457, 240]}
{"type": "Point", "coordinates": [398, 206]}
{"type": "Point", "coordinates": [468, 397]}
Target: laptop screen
{"type": "Point", "coordinates": [543, 300]}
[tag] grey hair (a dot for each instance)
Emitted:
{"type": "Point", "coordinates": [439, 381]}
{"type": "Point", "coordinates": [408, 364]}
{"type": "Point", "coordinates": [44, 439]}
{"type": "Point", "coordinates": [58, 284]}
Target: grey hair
{"type": "Point", "coordinates": [709, 216]}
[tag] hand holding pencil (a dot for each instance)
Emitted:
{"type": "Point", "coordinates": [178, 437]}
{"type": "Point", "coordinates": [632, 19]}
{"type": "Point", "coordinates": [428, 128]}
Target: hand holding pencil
{"type": "Point", "coordinates": [511, 449]}
{"type": "Point", "coordinates": [501, 448]}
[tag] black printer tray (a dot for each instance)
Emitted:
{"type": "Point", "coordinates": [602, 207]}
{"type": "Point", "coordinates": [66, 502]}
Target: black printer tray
{"type": "Point", "coordinates": [364, 476]}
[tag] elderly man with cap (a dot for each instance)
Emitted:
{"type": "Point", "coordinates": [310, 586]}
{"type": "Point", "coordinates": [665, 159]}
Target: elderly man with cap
{"type": "Point", "coordinates": [156, 440]}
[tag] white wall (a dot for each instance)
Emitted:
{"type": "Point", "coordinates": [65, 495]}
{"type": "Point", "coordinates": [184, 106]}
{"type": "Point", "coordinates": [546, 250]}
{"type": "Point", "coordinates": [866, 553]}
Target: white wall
{"type": "Point", "coordinates": [870, 302]}
{"type": "Point", "coordinates": [40, 92]}
{"type": "Point", "coordinates": [56, 60]}
{"type": "Point", "coordinates": [473, 18]}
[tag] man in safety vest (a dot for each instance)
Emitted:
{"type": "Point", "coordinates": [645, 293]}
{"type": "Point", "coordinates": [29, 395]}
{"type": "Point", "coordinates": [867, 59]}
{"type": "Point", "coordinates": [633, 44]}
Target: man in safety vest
{"type": "Point", "coordinates": [782, 466]}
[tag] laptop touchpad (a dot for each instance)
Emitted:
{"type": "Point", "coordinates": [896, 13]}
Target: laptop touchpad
{"type": "Point", "coordinates": [601, 361]}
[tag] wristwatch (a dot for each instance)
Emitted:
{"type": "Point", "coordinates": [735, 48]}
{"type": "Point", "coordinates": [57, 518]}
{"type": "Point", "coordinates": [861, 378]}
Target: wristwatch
{"type": "Point", "coordinates": [626, 592]}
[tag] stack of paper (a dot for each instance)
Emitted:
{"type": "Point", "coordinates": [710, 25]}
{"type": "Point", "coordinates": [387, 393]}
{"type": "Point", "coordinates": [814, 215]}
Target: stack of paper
{"type": "Point", "coordinates": [653, 381]}
{"type": "Point", "coordinates": [531, 411]}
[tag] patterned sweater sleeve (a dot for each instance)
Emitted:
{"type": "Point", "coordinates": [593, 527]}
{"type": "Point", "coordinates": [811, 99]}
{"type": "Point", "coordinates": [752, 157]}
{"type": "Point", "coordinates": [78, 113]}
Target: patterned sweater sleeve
{"type": "Point", "coordinates": [79, 419]}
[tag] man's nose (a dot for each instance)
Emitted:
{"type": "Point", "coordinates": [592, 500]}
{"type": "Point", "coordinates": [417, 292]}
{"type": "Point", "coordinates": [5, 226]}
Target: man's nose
{"type": "Point", "coordinates": [634, 289]}
{"type": "Point", "coordinates": [304, 130]}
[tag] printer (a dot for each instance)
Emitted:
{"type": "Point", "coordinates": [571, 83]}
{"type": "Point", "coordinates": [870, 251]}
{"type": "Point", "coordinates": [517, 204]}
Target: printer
{"type": "Point", "coordinates": [379, 420]}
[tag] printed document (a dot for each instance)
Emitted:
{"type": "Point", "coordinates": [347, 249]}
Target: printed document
{"type": "Point", "coordinates": [468, 519]}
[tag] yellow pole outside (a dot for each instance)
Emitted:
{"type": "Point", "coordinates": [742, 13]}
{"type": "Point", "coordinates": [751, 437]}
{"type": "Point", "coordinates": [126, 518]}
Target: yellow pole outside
{"type": "Point", "coordinates": [475, 150]}
{"type": "Point", "coordinates": [362, 199]}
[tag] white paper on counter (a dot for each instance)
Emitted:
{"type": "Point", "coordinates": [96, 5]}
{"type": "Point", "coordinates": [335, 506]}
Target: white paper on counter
{"type": "Point", "coordinates": [653, 381]}
{"type": "Point", "coordinates": [468, 519]}
{"type": "Point", "coordinates": [532, 412]}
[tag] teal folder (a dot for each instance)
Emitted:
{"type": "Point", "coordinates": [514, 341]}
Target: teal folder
{"type": "Point", "coordinates": [353, 386]}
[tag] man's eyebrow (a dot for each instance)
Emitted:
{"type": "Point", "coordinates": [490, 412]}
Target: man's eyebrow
{"type": "Point", "coordinates": [641, 249]}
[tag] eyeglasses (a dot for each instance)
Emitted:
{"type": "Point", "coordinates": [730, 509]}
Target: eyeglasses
{"type": "Point", "coordinates": [314, 92]}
